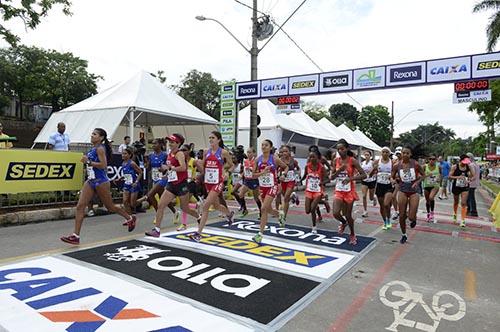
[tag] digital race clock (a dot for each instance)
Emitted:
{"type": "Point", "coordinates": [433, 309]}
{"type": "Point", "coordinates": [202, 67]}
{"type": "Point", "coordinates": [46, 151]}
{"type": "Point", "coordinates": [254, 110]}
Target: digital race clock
{"type": "Point", "coordinates": [472, 85]}
{"type": "Point", "coordinates": [288, 100]}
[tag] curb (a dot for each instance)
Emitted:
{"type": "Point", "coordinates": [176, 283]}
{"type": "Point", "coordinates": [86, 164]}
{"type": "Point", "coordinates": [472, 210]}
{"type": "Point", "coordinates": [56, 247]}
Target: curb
{"type": "Point", "coordinates": [26, 217]}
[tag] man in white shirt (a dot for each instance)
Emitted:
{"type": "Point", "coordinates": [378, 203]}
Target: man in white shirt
{"type": "Point", "coordinates": [59, 141]}
{"type": "Point", "coordinates": [126, 143]}
{"type": "Point", "coordinates": [473, 185]}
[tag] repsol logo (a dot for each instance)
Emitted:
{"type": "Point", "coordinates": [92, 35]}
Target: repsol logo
{"type": "Point", "coordinates": [448, 69]}
{"type": "Point", "coordinates": [40, 171]}
{"type": "Point", "coordinates": [303, 84]}
{"type": "Point", "coordinates": [282, 254]}
{"type": "Point", "coordinates": [488, 65]}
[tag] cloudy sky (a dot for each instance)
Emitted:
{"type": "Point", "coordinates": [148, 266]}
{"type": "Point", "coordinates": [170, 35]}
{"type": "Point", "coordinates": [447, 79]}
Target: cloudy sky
{"type": "Point", "coordinates": [121, 37]}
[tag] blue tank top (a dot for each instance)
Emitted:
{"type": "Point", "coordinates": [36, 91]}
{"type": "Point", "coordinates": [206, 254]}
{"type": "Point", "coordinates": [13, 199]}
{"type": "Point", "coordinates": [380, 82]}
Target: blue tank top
{"type": "Point", "coordinates": [156, 160]}
{"type": "Point", "coordinates": [217, 154]}
{"type": "Point", "coordinates": [270, 162]}
{"type": "Point", "coordinates": [100, 174]}
{"type": "Point", "coordinates": [129, 172]}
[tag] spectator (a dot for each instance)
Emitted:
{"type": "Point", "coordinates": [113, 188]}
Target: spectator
{"type": "Point", "coordinates": [126, 144]}
{"type": "Point", "coordinates": [445, 172]}
{"type": "Point", "coordinates": [4, 145]}
{"type": "Point", "coordinates": [474, 183]}
{"type": "Point", "coordinates": [59, 141]}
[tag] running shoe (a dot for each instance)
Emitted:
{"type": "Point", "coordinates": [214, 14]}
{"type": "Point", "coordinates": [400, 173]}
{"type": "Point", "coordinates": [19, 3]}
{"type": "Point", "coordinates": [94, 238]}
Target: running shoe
{"type": "Point", "coordinates": [428, 219]}
{"type": "Point", "coordinates": [297, 200]}
{"type": "Point", "coordinates": [257, 238]}
{"type": "Point", "coordinates": [176, 218]}
{"type": "Point", "coordinates": [462, 224]}
{"type": "Point", "coordinates": [72, 239]}
{"type": "Point", "coordinates": [403, 240]}
{"type": "Point", "coordinates": [432, 217]}
{"type": "Point", "coordinates": [90, 213]}
{"type": "Point", "coordinates": [440, 198]}
{"type": "Point", "coordinates": [314, 230]}
{"type": "Point", "coordinates": [364, 214]}
{"type": "Point", "coordinates": [195, 236]}
{"type": "Point", "coordinates": [293, 196]}
{"type": "Point", "coordinates": [389, 224]}
{"type": "Point", "coordinates": [353, 240]}
{"type": "Point", "coordinates": [385, 225]}
{"type": "Point", "coordinates": [281, 218]}
{"type": "Point", "coordinates": [230, 218]}
{"type": "Point", "coordinates": [181, 228]}
{"type": "Point", "coordinates": [454, 218]}
{"type": "Point", "coordinates": [395, 215]}
{"type": "Point", "coordinates": [153, 233]}
{"type": "Point", "coordinates": [342, 228]}
{"type": "Point", "coordinates": [413, 223]}
{"type": "Point", "coordinates": [131, 223]}
{"type": "Point", "coordinates": [244, 213]}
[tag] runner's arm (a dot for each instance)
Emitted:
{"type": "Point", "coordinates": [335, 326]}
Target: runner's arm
{"type": "Point", "coordinates": [181, 158]}
{"type": "Point", "coordinates": [138, 170]}
{"type": "Point", "coordinates": [229, 161]}
{"type": "Point", "coordinates": [103, 163]}
{"type": "Point", "coordinates": [362, 174]}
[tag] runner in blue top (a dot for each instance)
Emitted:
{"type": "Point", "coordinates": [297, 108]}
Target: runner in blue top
{"type": "Point", "coordinates": [445, 173]}
{"type": "Point", "coordinates": [97, 183]}
{"type": "Point", "coordinates": [132, 175]}
{"type": "Point", "coordinates": [154, 162]}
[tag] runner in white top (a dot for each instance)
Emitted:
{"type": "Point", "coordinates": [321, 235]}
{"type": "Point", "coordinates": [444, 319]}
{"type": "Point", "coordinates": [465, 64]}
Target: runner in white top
{"type": "Point", "coordinates": [382, 170]}
{"type": "Point", "coordinates": [368, 184]}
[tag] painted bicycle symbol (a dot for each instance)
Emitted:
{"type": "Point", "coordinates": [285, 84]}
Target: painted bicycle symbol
{"type": "Point", "coordinates": [446, 305]}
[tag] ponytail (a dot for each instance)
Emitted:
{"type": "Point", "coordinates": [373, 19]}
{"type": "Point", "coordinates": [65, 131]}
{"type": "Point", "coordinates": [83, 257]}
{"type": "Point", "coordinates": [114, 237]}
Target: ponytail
{"type": "Point", "coordinates": [105, 142]}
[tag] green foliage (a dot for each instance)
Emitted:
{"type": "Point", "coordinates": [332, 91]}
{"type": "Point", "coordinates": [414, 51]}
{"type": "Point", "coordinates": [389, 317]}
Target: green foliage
{"type": "Point", "coordinates": [29, 11]}
{"type": "Point", "coordinates": [201, 90]}
{"type": "Point", "coordinates": [35, 75]}
{"type": "Point", "coordinates": [344, 113]}
{"type": "Point", "coordinates": [375, 122]}
{"type": "Point", "coordinates": [432, 138]}
{"type": "Point", "coordinates": [493, 29]}
{"type": "Point", "coordinates": [315, 110]}
{"type": "Point", "coordinates": [489, 111]}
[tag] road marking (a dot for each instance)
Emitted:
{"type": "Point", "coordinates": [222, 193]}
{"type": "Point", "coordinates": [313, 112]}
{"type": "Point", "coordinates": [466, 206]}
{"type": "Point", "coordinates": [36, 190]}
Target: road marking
{"type": "Point", "coordinates": [448, 309]}
{"type": "Point", "coordinates": [470, 285]}
{"type": "Point", "coordinates": [342, 321]}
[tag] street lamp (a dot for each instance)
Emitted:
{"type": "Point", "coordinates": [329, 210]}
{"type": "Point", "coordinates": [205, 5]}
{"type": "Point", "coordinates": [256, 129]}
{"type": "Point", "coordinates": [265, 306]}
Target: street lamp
{"type": "Point", "coordinates": [404, 117]}
{"type": "Point", "coordinates": [203, 18]}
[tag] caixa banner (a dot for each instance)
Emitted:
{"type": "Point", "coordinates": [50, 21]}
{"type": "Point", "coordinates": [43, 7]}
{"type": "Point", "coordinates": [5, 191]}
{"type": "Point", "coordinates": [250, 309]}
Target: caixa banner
{"type": "Point", "coordinates": [23, 171]}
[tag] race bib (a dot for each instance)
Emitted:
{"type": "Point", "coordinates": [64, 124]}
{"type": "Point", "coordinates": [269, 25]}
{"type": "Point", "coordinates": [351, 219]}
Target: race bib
{"type": "Point", "coordinates": [313, 184]}
{"type": "Point", "coordinates": [384, 178]}
{"type": "Point", "coordinates": [266, 180]}
{"type": "Point", "coordinates": [432, 180]}
{"type": "Point", "coordinates": [172, 176]}
{"type": "Point", "coordinates": [462, 182]}
{"type": "Point", "coordinates": [156, 174]}
{"type": "Point", "coordinates": [407, 175]}
{"type": "Point", "coordinates": [90, 173]}
{"type": "Point", "coordinates": [128, 179]}
{"type": "Point", "coordinates": [290, 176]}
{"type": "Point", "coordinates": [212, 175]}
{"type": "Point", "coordinates": [236, 178]}
{"type": "Point", "coordinates": [248, 172]}
{"type": "Point", "coordinates": [340, 186]}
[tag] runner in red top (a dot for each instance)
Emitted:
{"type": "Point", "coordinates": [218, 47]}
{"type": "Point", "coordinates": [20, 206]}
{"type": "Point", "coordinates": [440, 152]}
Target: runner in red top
{"type": "Point", "coordinates": [265, 171]}
{"type": "Point", "coordinates": [177, 185]}
{"type": "Point", "coordinates": [345, 189]}
{"type": "Point", "coordinates": [313, 175]}
{"type": "Point", "coordinates": [215, 158]}
{"type": "Point", "coordinates": [287, 178]}
{"type": "Point", "coordinates": [249, 182]}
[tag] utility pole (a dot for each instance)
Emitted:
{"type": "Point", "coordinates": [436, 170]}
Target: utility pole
{"type": "Point", "coordinates": [254, 51]}
{"type": "Point", "coordinates": [392, 126]}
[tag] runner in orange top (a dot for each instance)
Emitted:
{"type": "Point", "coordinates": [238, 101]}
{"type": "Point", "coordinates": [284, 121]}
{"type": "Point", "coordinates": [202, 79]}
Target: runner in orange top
{"type": "Point", "coordinates": [345, 189]}
{"type": "Point", "coordinates": [287, 180]}
{"type": "Point", "coordinates": [314, 185]}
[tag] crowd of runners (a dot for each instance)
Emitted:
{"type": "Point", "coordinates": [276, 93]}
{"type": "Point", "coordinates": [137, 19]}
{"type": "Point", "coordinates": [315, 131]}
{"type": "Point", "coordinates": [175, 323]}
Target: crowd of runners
{"type": "Point", "coordinates": [201, 182]}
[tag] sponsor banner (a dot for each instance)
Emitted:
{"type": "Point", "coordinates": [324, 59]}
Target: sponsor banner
{"type": "Point", "coordinates": [288, 109]}
{"type": "Point", "coordinates": [50, 294]}
{"type": "Point", "coordinates": [403, 74]}
{"type": "Point", "coordinates": [493, 156]}
{"type": "Point", "coordinates": [228, 113]}
{"type": "Point", "coordinates": [274, 88]}
{"type": "Point", "coordinates": [471, 96]}
{"type": "Point", "coordinates": [486, 65]}
{"type": "Point", "coordinates": [228, 105]}
{"type": "Point", "coordinates": [324, 238]}
{"type": "Point", "coordinates": [310, 261]}
{"type": "Point", "coordinates": [248, 291]}
{"type": "Point", "coordinates": [227, 137]}
{"type": "Point", "coordinates": [227, 121]}
{"type": "Point", "coordinates": [369, 78]}
{"type": "Point", "coordinates": [248, 90]}
{"type": "Point", "coordinates": [23, 171]}
{"type": "Point", "coordinates": [335, 81]}
{"type": "Point", "coordinates": [449, 69]}
{"type": "Point", "coordinates": [303, 84]}
{"type": "Point", "coordinates": [227, 130]}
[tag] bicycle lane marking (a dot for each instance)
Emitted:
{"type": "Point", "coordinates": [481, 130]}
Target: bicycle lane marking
{"type": "Point", "coordinates": [345, 318]}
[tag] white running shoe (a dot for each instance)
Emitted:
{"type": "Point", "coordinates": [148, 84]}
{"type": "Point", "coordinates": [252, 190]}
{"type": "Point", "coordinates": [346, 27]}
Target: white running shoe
{"type": "Point", "coordinates": [395, 215]}
{"type": "Point", "coordinates": [314, 230]}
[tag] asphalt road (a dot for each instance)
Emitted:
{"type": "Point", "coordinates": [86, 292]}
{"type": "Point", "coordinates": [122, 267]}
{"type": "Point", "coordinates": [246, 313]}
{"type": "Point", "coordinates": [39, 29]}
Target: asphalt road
{"type": "Point", "coordinates": [444, 279]}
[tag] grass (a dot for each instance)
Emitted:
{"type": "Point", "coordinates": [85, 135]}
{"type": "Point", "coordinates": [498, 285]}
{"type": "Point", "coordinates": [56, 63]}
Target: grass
{"type": "Point", "coordinates": [492, 186]}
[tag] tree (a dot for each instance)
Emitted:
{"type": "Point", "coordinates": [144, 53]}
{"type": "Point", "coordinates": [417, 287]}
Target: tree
{"type": "Point", "coordinates": [315, 110]}
{"type": "Point", "coordinates": [375, 122]}
{"type": "Point", "coordinates": [489, 111]}
{"type": "Point", "coordinates": [493, 29]}
{"type": "Point", "coordinates": [29, 11]}
{"type": "Point", "coordinates": [428, 138]}
{"type": "Point", "coordinates": [201, 90]}
{"type": "Point", "coordinates": [344, 113]}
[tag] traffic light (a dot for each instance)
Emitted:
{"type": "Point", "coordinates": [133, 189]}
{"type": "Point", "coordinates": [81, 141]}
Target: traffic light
{"type": "Point", "coordinates": [258, 123]}
{"type": "Point", "coordinates": [258, 132]}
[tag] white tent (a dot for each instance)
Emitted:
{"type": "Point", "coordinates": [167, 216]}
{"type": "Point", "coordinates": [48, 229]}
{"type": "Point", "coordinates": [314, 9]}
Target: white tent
{"type": "Point", "coordinates": [348, 135]}
{"type": "Point", "coordinates": [367, 143]}
{"type": "Point", "coordinates": [327, 125]}
{"type": "Point", "coordinates": [141, 100]}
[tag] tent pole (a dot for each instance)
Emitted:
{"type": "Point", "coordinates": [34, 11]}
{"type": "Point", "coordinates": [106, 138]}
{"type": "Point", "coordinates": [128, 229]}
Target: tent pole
{"type": "Point", "coordinates": [131, 120]}
{"type": "Point", "coordinates": [290, 139]}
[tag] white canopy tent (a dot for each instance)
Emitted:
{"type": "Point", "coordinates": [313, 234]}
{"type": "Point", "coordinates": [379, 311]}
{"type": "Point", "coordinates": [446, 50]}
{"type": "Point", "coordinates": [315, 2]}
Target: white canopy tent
{"type": "Point", "coordinates": [139, 101]}
{"type": "Point", "coordinates": [367, 143]}
{"type": "Point", "coordinates": [327, 125]}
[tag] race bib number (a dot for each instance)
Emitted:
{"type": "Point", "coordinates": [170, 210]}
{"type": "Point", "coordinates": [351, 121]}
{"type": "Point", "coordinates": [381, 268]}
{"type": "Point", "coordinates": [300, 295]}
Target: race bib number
{"type": "Point", "coordinates": [172, 176]}
{"type": "Point", "coordinates": [384, 178]}
{"type": "Point", "coordinates": [462, 182]}
{"type": "Point", "coordinates": [407, 175]}
{"type": "Point", "coordinates": [248, 172]}
{"type": "Point", "coordinates": [128, 179]}
{"type": "Point", "coordinates": [313, 184]}
{"type": "Point", "coordinates": [290, 176]}
{"type": "Point", "coordinates": [432, 180]}
{"type": "Point", "coordinates": [90, 173]}
{"type": "Point", "coordinates": [266, 180]}
{"type": "Point", "coordinates": [212, 175]}
{"type": "Point", "coordinates": [156, 174]}
{"type": "Point", "coordinates": [236, 178]}
{"type": "Point", "coordinates": [340, 186]}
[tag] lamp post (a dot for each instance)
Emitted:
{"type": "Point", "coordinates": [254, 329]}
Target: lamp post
{"type": "Point", "coordinates": [399, 121]}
